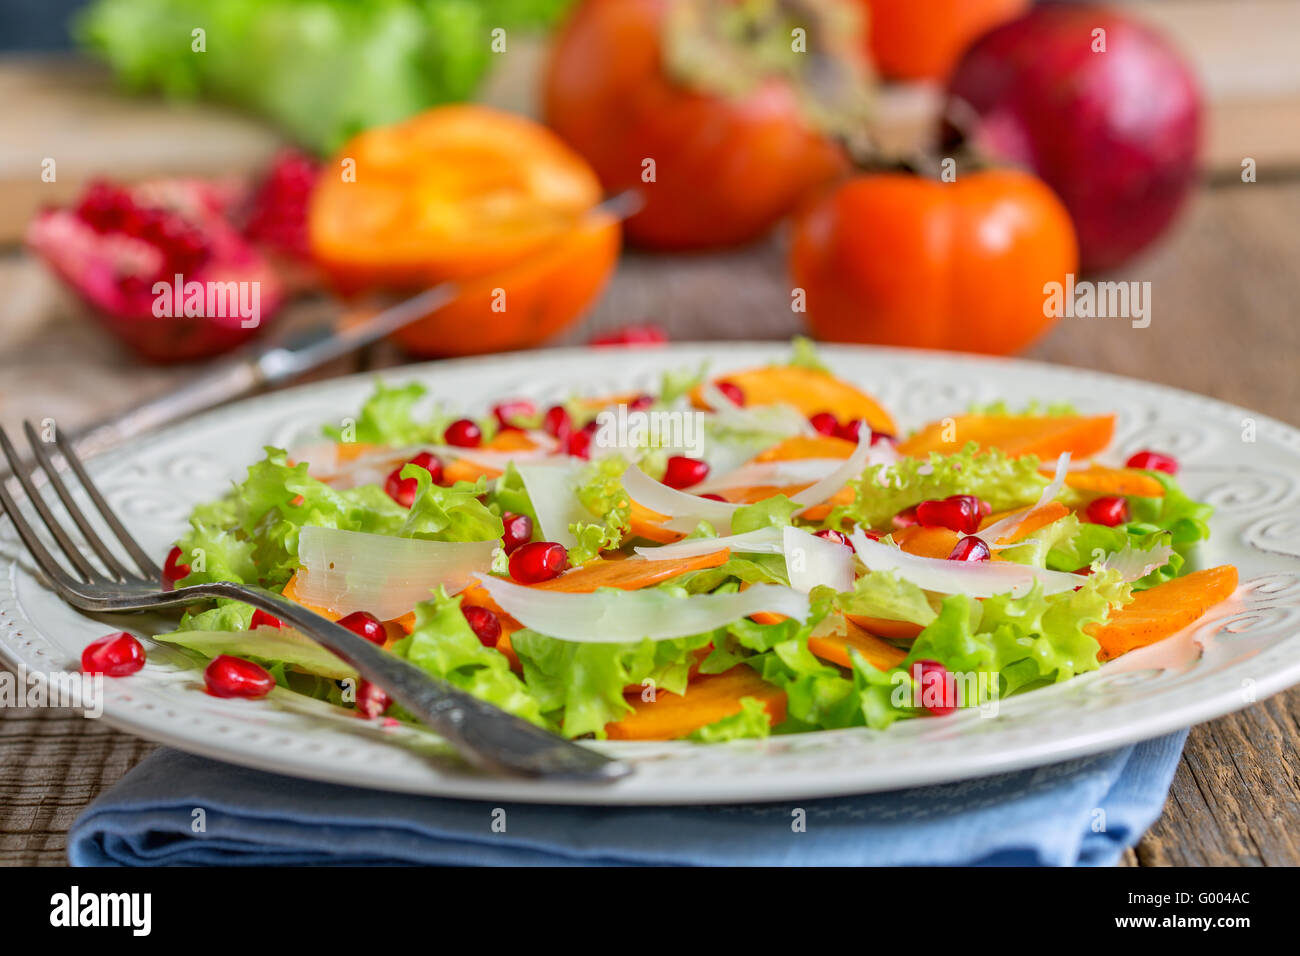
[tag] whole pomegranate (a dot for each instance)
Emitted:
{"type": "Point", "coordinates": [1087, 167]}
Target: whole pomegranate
{"type": "Point", "coordinates": [118, 243]}
{"type": "Point", "coordinates": [1097, 104]}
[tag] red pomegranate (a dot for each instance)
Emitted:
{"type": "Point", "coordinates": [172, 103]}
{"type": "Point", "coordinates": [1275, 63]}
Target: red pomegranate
{"type": "Point", "coordinates": [1099, 105]}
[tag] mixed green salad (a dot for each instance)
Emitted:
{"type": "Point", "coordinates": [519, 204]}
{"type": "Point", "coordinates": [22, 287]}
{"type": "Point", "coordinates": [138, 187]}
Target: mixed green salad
{"type": "Point", "coordinates": [722, 557]}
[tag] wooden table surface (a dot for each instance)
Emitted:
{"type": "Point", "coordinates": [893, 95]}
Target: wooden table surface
{"type": "Point", "coordinates": [1225, 322]}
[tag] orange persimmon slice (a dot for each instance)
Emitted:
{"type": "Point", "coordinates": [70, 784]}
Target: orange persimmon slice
{"type": "Point", "coordinates": [708, 699]}
{"type": "Point", "coordinates": [1165, 609]}
{"type": "Point", "coordinates": [807, 389]}
{"type": "Point", "coordinates": [1046, 436]}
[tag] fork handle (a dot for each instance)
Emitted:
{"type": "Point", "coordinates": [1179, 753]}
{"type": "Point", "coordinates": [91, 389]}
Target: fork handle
{"type": "Point", "coordinates": [481, 732]}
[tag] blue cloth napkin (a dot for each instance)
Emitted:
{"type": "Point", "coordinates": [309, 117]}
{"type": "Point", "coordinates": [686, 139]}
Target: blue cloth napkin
{"type": "Point", "coordinates": [1081, 812]}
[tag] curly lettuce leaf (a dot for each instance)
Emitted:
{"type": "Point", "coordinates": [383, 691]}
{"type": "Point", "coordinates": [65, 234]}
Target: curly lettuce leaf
{"type": "Point", "coordinates": [388, 418]}
{"type": "Point", "coordinates": [882, 491]}
{"type": "Point", "coordinates": [448, 513]}
{"type": "Point", "coordinates": [751, 720]}
{"type": "Point", "coordinates": [443, 644]}
{"type": "Point", "coordinates": [600, 489]}
{"type": "Point", "coordinates": [884, 594]}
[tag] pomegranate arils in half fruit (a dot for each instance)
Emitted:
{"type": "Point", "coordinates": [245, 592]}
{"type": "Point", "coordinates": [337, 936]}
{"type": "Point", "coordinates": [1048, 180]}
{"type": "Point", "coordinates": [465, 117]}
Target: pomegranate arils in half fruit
{"type": "Point", "coordinates": [1154, 461]}
{"type": "Point", "coordinates": [824, 423]}
{"type": "Point", "coordinates": [936, 687]}
{"type": "Point", "coordinates": [173, 570]}
{"type": "Point", "coordinates": [970, 549]}
{"type": "Point", "coordinates": [463, 433]}
{"type": "Point", "coordinates": [1109, 510]}
{"type": "Point", "coordinates": [959, 513]}
{"type": "Point", "coordinates": [485, 625]}
{"type": "Point", "coordinates": [538, 561]}
{"type": "Point", "coordinates": [517, 530]}
{"type": "Point", "coordinates": [372, 700]}
{"type": "Point", "coordinates": [364, 624]}
{"type": "Point", "coordinates": [262, 619]}
{"type": "Point", "coordinates": [228, 676]}
{"type": "Point", "coordinates": [508, 413]}
{"type": "Point", "coordinates": [839, 537]}
{"type": "Point", "coordinates": [733, 392]}
{"type": "Point", "coordinates": [277, 215]}
{"type": "Point", "coordinates": [682, 472]}
{"type": "Point", "coordinates": [113, 655]}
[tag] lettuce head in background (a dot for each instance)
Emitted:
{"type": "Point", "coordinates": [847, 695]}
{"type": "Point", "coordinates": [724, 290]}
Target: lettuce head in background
{"type": "Point", "coordinates": [321, 70]}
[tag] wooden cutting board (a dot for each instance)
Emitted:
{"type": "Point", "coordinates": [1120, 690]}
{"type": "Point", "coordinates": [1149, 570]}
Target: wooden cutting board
{"type": "Point", "coordinates": [66, 109]}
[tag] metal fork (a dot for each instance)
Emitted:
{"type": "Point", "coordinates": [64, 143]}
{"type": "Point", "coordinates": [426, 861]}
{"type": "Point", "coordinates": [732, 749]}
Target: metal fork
{"type": "Point", "coordinates": [483, 734]}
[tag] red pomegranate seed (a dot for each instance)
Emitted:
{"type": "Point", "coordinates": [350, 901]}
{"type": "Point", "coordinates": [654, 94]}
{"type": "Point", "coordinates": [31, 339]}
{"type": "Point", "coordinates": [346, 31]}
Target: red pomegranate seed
{"type": "Point", "coordinates": [579, 444]}
{"type": "Point", "coordinates": [228, 676]}
{"type": "Point", "coordinates": [682, 472]}
{"type": "Point", "coordinates": [463, 433]}
{"type": "Point", "coordinates": [640, 403]}
{"type": "Point", "coordinates": [556, 422]}
{"type": "Point", "coordinates": [508, 413]}
{"type": "Point", "coordinates": [517, 531]}
{"type": "Point", "coordinates": [262, 619]}
{"type": "Point", "coordinates": [958, 513]}
{"type": "Point", "coordinates": [712, 497]}
{"type": "Point", "coordinates": [646, 334]}
{"type": "Point", "coordinates": [1109, 510]}
{"type": "Point", "coordinates": [538, 561]}
{"type": "Point", "coordinates": [173, 569]}
{"type": "Point", "coordinates": [486, 626]}
{"type": "Point", "coordinates": [905, 518]}
{"type": "Point", "coordinates": [937, 687]}
{"type": "Point", "coordinates": [850, 430]}
{"type": "Point", "coordinates": [824, 423]}
{"type": "Point", "coordinates": [372, 700]}
{"type": "Point", "coordinates": [888, 438]}
{"type": "Point", "coordinates": [364, 624]}
{"type": "Point", "coordinates": [1154, 461]}
{"type": "Point", "coordinates": [113, 655]}
{"type": "Point", "coordinates": [402, 490]}
{"type": "Point", "coordinates": [970, 549]}
{"type": "Point", "coordinates": [872, 535]}
{"type": "Point", "coordinates": [734, 392]}
{"type": "Point", "coordinates": [839, 537]}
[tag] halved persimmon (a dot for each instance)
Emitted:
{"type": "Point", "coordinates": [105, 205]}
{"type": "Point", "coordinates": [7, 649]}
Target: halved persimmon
{"type": "Point", "coordinates": [473, 194]}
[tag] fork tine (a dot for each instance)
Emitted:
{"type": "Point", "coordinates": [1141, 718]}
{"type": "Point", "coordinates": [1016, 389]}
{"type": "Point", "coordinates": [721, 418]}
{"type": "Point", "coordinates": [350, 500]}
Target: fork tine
{"type": "Point", "coordinates": [47, 563]}
{"type": "Point", "coordinates": [87, 529]}
{"type": "Point", "coordinates": [60, 535]}
{"type": "Point", "coordinates": [141, 557]}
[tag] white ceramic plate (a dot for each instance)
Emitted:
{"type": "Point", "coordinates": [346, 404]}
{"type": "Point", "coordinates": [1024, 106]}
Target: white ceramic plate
{"type": "Point", "coordinates": [1245, 464]}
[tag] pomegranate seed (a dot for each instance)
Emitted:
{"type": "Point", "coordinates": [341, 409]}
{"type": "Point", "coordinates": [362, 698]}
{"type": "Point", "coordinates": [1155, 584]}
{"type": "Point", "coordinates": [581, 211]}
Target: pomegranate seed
{"type": "Point", "coordinates": [556, 422]}
{"type": "Point", "coordinates": [507, 413]}
{"type": "Point", "coordinates": [937, 686]}
{"type": "Point", "coordinates": [887, 437]}
{"type": "Point", "coordinates": [538, 561]}
{"type": "Point", "coordinates": [839, 537]}
{"type": "Point", "coordinates": [114, 655]}
{"type": "Point", "coordinates": [958, 513]}
{"type": "Point", "coordinates": [682, 472]}
{"type": "Point", "coordinates": [1109, 510]}
{"type": "Point", "coordinates": [262, 619]}
{"type": "Point", "coordinates": [824, 423]}
{"type": "Point", "coordinates": [905, 518]}
{"type": "Point", "coordinates": [646, 334]}
{"type": "Point", "coordinates": [1086, 571]}
{"type": "Point", "coordinates": [517, 530]}
{"type": "Point", "coordinates": [850, 430]}
{"type": "Point", "coordinates": [486, 626]}
{"type": "Point", "coordinates": [641, 403]}
{"type": "Point", "coordinates": [1155, 461]}
{"type": "Point", "coordinates": [463, 433]}
{"type": "Point", "coordinates": [364, 624]}
{"type": "Point", "coordinates": [712, 497]}
{"type": "Point", "coordinates": [872, 535]}
{"type": "Point", "coordinates": [228, 676]}
{"type": "Point", "coordinates": [372, 701]}
{"type": "Point", "coordinates": [173, 569]}
{"type": "Point", "coordinates": [970, 549]}
{"type": "Point", "coordinates": [402, 490]}
{"type": "Point", "coordinates": [734, 392]}
{"type": "Point", "coordinates": [579, 444]}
